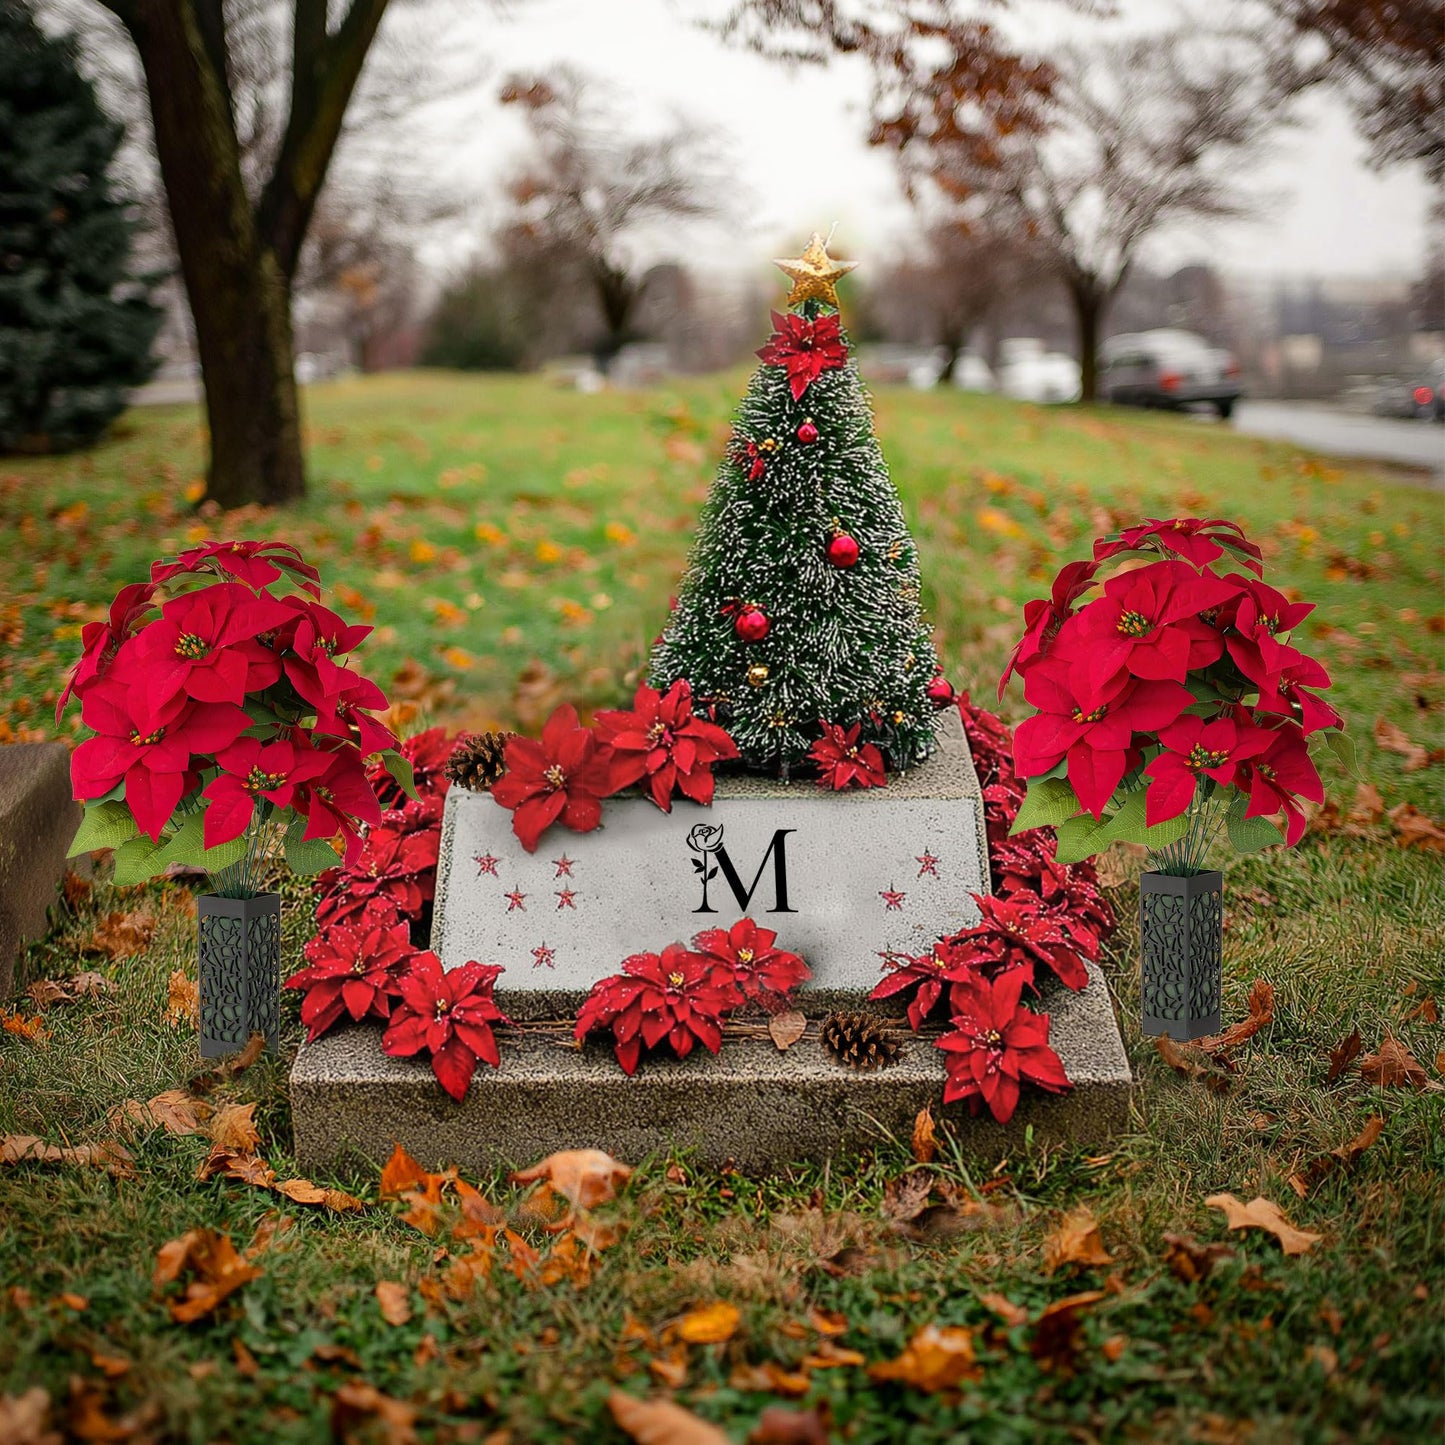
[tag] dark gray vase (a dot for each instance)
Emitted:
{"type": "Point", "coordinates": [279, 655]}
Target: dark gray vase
{"type": "Point", "coordinates": [1181, 928]}
{"type": "Point", "coordinates": [239, 941]}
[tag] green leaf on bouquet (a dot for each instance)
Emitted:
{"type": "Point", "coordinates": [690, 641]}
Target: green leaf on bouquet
{"type": "Point", "coordinates": [1249, 835]}
{"type": "Point", "coordinates": [1081, 837]}
{"type": "Point", "coordinates": [105, 825]}
{"type": "Point", "coordinates": [1342, 745]}
{"type": "Point", "coordinates": [1130, 824]}
{"type": "Point", "coordinates": [135, 861]}
{"type": "Point", "coordinates": [187, 846]}
{"type": "Point", "coordinates": [1047, 803]}
{"type": "Point", "coordinates": [399, 766]}
{"type": "Point", "coordinates": [307, 856]}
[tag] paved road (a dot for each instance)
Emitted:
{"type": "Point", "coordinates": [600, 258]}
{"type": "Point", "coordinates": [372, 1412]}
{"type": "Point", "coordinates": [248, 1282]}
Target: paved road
{"type": "Point", "coordinates": [1350, 434]}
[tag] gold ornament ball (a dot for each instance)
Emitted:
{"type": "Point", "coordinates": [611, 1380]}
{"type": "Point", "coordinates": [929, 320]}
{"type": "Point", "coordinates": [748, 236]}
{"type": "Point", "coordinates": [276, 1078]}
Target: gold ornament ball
{"type": "Point", "coordinates": [900, 717]}
{"type": "Point", "coordinates": [757, 674]}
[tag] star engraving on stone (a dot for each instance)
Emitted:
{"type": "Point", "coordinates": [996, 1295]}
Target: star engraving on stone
{"type": "Point", "coordinates": [543, 956]}
{"type": "Point", "coordinates": [564, 899]}
{"type": "Point", "coordinates": [927, 863]}
{"type": "Point", "coordinates": [892, 898]}
{"type": "Point", "coordinates": [514, 899]}
{"type": "Point", "coordinates": [486, 863]}
{"type": "Point", "coordinates": [563, 865]}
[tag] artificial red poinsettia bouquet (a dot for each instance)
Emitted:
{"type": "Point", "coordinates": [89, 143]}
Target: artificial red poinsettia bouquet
{"type": "Point", "coordinates": [226, 732]}
{"type": "Point", "coordinates": [1173, 708]}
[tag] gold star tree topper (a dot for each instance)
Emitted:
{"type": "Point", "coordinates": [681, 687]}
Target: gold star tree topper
{"type": "Point", "coordinates": [814, 274]}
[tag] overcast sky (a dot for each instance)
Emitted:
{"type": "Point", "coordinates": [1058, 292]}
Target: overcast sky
{"type": "Point", "coordinates": [796, 139]}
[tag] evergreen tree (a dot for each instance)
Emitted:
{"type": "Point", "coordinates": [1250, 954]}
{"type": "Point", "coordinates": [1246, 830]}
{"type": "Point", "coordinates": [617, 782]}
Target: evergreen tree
{"type": "Point", "coordinates": [75, 326]}
{"type": "Point", "coordinates": [800, 604]}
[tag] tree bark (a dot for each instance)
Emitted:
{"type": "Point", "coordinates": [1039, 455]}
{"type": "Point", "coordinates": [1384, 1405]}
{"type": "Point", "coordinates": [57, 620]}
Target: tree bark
{"type": "Point", "coordinates": [239, 293]}
{"type": "Point", "coordinates": [1089, 303]}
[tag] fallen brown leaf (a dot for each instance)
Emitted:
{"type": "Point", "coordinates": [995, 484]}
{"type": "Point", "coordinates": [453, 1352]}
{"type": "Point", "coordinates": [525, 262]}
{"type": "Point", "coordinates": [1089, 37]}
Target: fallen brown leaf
{"type": "Point", "coordinates": [1010, 1314]}
{"type": "Point", "coordinates": [111, 1366]}
{"type": "Point", "coordinates": [90, 984]}
{"type": "Point", "coordinates": [1427, 1011]}
{"type": "Point", "coordinates": [356, 1404]}
{"type": "Point", "coordinates": [394, 1301]}
{"type": "Point", "coordinates": [1395, 1067]}
{"type": "Point", "coordinates": [218, 1272]}
{"type": "Point", "coordinates": [780, 1425]}
{"type": "Point", "coordinates": [30, 1029]}
{"type": "Point", "coordinates": [121, 935]}
{"type": "Point", "coordinates": [709, 1324]}
{"type": "Point", "coordinates": [45, 992]}
{"type": "Point", "coordinates": [174, 1110]}
{"type": "Point", "coordinates": [234, 1127]}
{"type": "Point", "coordinates": [1261, 1012]}
{"type": "Point", "coordinates": [827, 1322]}
{"type": "Point", "coordinates": [183, 1001]}
{"type": "Point", "coordinates": [1076, 1241]}
{"type": "Point", "coordinates": [586, 1177]}
{"type": "Point", "coordinates": [925, 1140]}
{"type": "Point", "coordinates": [1261, 1213]}
{"type": "Point", "coordinates": [1368, 806]}
{"type": "Point", "coordinates": [660, 1422]}
{"type": "Point", "coordinates": [1344, 1155]}
{"type": "Point", "coordinates": [1058, 1331]}
{"type": "Point", "coordinates": [1343, 1055]}
{"type": "Point", "coordinates": [303, 1191]}
{"type": "Point", "coordinates": [1391, 738]}
{"type": "Point", "coordinates": [936, 1358]}
{"type": "Point", "coordinates": [1191, 1261]}
{"type": "Point", "coordinates": [770, 1377]}
{"type": "Point", "coordinates": [1415, 830]}
{"type": "Point", "coordinates": [237, 1164]}
{"type": "Point", "coordinates": [26, 1148]}
{"type": "Point", "coordinates": [787, 1028]}
{"type": "Point", "coordinates": [829, 1355]}
{"type": "Point", "coordinates": [25, 1419]}
{"type": "Point", "coordinates": [1191, 1062]}
{"type": "Point", "coordinates": [247, 1365]}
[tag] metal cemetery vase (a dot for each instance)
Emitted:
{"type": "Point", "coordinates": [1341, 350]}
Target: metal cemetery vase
{"type": "Point", "coordinates": [1181, 929]}
{"type": "Point", "coordinates": [240, 971]}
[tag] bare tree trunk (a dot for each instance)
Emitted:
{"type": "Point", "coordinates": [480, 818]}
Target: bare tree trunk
{"type": "Point", "coordinates": [1089, 304]}
{"type": "Point", "coordinates": [240, 295]}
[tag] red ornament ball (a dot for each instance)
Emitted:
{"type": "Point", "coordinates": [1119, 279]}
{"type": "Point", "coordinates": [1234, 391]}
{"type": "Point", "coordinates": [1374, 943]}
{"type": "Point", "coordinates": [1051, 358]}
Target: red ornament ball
{"type": "Point", "coordinates": [842, 550]}
{"type": "Point", "coordinates": [941, 693]}
{"type": "Point", "coordinates": [807, 433]}
{"type": "Point", "coordinates": [752, 624]}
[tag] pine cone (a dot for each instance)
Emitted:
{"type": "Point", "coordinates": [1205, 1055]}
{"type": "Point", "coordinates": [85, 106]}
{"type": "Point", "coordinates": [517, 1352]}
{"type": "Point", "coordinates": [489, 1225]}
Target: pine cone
{"type": "Point", "coordinates": [861, 1041]}
{"type": "Point", "coordinates": [478, 761]}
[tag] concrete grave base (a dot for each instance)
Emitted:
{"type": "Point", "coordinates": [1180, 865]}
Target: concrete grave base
{"type": "Point", "coordinates": [753, 1104]}
{"type": "Point", "coordinates": [38, 819]}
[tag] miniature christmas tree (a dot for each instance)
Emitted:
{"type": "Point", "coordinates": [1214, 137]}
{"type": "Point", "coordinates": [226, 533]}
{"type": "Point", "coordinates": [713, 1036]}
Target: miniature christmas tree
{"type": "Point", "coordinates": [76, 324]}
{"type": "Point", "coordinates": [800, 605]}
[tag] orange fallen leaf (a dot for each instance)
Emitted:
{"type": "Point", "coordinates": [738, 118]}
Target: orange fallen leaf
{"type": "Point", "coordinates": [586, 1177]}
{"type": "Point", "coordinates": [1392, 738]}
{"type": "Point", "coordinates": [787, 1028]}
{"type": "Point", "coordinates": [25, 1418]}
{"type": "Point", "coordinates": [829, 1355]}
{"type": "Point", "coordinates": [1011, 1314]}
{"type": "Point", "coordinates": [1368, 806]}
{"type": "Point", "coordinates": [1415, 830]}
{"type": "Point", "coordinates": [233, 1127]}
{"type": "Point", "coordinates": [1261, 1012]}
{"type": "Point", "coordinates": [827, 1322]}
{"type": "Point", "coordinates": [1395, 1067]}
{"type": "Point", "coordinates": [936, 1358]}
{"type": "Point", "coordinates": [247, 1365]}
{"type": "Point", "coordinates": [1427, 1011]}
{"type": "Point", "coordinates": [1344, 1155]}
{"type": "Point", "coordinates": [1191, 1062]}
{"type": "Point", "coordinates": [709, 1324]}
{"type": "Point", "coordinates": [660, 1422]}
{"type": "Point", "coordinates": [1075, 1241]}
{"type": "Point", "coordinates": [670, 1369]}
{"type": "Point", "coordinates": [394, 1300]}
{"type": "Point", "coordinates": [1261, 1213]}
{"type": "Point", "coordinates": [770, 1377]}
{"type": "Point", "coordinates": [355, 1404]}
{"type": "Point", "coordinates": [303, 1191]}
{"type": "Point", "coordinates": [217, 1269]}
{"type": "Point", "coordinates": [183, 1001]}
{"type": "Point", "coordinates": [26, 1148]}
{"type": "Point", "coordinates": [174, 1110]}
{"type": "Point", "coordinates": [1113, 1348]}
{"type": "Point", "coordinates": [1191, 1261]}
{"type": "Point", "coordinates": [925, 1139]}
{"type": "Point", "coordinates": [240, 1165]}
{"type": "Point", "coordinates": [121, 935]}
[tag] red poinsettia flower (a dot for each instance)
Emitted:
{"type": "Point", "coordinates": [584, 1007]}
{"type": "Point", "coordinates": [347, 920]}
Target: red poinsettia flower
{"type": "Point", "coordinates": [1067, 893]}
{"type": "Point", "coordinates": [676, 997]}
{"type": "Point", "coordinates": [552, 778]}
{"type": "Point", "coordinates": [449, 1016]}
{"type": "Point", "coordinates": [254, 563]}
{"type": "Point", "coordinates": [746, 957]}
{"type": "Point", "coordinates": [1090, 725]}
{"type": "Point", "coordinates": [1197, 541]}
{"type": "Point", "coordinates": [346, 713]}
{"type": "Point", "coordinates": [1262, 615]}
{"type": "Point", "coordinates": [356, 971]}
{"type": "Point", "coordinates": [1147, 623]}
{"type": "Point", "coordinates": [205, 644]}
{"type": "Point", "coordinates": [338, 799]}
{"type": "Point", "coordinates": [148, 742]}
{"type": "Point", "coordinates": [397, 866]}
{"type": "Point", "coordinates": [928, 974]}
{"type": "Point", "coordinates": [250, 771]}
{"type": "Point", "coordinates": [314, 638]}
{"type": "Point", "coordinates": [997, 1045]}
{"type": "Point", "coordinates": [100, 641]}
{"type": "Point", "coordinates": [805, 349]}
{"type": "Point", "coordinates": [1279, 776]}
{"type": "Point", "coordinates": [1195, 749]}
{"type": "Point", "coordinates": [661, 740]}
{"type": "Point", "coordinates": [427, 752]}
{"type": "Point", "coordinates": [843, 761]}
{"type": "Point", "coordinates": [1286, 693]}
{"type": "Point", "coordinates": [1015, 935]}
{"type": "Point", "coordinates": [1043, 619]}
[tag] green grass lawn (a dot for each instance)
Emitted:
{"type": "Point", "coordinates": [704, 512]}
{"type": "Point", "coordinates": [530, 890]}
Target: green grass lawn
{"type": "Point", "coordinates": [517, 544]}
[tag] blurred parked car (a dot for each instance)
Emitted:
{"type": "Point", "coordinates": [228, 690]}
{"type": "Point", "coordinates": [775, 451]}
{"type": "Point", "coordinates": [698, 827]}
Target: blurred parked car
{"type": "Point", "coordinates": [1428, 393]}
{"type": "Point", "coordinates": [1171, 369]}
{"type": "Point", "coordinates": [1396, 397]}
{"type": "Point", "coordinates": [1029, 373]}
